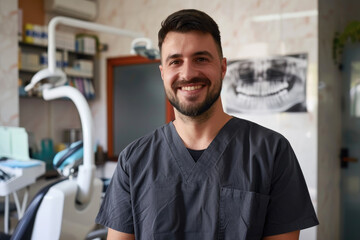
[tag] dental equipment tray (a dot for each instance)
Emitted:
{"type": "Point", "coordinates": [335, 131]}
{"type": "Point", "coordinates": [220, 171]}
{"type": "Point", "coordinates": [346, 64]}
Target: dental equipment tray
{"type": "Point", "coordinates": [19, 175]}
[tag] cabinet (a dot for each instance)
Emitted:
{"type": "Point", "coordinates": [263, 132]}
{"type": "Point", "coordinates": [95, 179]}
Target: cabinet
{"type": "Point", "coordinates": [79, 68]}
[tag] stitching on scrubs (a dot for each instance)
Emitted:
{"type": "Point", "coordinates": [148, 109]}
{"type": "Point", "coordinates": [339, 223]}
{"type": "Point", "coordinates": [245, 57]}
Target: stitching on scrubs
{"type": "Point", "coordinates": [218, 145]}
{"type": "Point", "coordinates": [183, 171]}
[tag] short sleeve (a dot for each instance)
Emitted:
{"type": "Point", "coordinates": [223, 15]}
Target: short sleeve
{"type": "Point", "coordinates": [115, 211]}
{"type": "Point", "coordinates": [290, 207]}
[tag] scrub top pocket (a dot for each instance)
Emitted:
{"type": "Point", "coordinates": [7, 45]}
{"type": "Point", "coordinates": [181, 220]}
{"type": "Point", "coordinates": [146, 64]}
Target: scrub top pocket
{"type": "Point", "coordinates": [241, 214]}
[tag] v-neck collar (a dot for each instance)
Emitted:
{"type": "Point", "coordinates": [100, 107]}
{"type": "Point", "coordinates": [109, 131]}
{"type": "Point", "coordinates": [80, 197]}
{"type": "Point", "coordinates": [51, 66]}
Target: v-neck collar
{"type": "Point", "coordinates": [188, 167]}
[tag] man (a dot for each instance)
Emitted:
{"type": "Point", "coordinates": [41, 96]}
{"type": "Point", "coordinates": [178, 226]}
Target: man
{"type": "Point", "coordinates": [206, 175]}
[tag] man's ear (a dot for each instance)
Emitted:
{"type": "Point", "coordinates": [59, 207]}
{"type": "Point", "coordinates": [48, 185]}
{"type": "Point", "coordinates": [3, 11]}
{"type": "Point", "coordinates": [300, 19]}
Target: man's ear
{"type": "Point", "coordinates": [161, 71]}
{"type": "Point", "coordinates": [223, 67]}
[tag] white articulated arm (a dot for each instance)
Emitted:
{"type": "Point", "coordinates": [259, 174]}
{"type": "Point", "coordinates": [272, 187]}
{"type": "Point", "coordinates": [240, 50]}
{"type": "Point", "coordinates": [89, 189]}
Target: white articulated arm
{"type": "Point", "coordinates": [79, 24]}
{"type": "Point", "coordinates": [87, 170]}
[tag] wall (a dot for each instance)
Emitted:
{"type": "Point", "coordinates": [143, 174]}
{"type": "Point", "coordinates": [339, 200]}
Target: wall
{"type": "Point", "coordinates": [329, 122]}
{"type": "Point", "coordinates": [9, 101]}
{"type": "Point", "coordinates": [333, 17]}
{"type": "Point", "coordinates": [48, 119]}
{"type": "Point", "coordinates": [241, 37]}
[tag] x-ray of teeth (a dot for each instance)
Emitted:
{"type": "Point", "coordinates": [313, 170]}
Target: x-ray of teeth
{"type": "Point", "coordinates": [273, 84]}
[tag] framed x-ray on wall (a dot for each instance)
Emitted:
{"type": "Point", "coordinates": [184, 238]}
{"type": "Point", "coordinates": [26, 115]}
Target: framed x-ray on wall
{"type": "Point", "coordinates": [266, 85]}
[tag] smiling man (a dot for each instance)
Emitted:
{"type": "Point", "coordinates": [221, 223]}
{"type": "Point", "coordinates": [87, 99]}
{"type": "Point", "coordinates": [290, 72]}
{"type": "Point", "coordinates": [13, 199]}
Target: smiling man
{"type": "Point", "coordinates": [206, 175]}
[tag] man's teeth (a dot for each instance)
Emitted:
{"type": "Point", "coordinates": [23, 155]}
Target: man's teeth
{"type": "Point", "coordinates": [191, 88]}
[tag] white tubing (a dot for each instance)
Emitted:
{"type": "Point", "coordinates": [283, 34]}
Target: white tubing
{"type": "Point", "coordinates": [80, 24]}
{"type": "Point", "coordinates": [86, 171]}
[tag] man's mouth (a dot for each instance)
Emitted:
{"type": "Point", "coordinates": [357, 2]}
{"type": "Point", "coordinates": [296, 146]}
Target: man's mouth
{"type": "Point", "coordinates": [191, 85]}
{"type": "Point", "coordinates": [191, 88]}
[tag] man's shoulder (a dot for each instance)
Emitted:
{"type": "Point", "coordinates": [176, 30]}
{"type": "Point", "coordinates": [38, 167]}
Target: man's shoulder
{"type": "Point", "coordinates": [252, 129]}
{"type": "Point", "coordinates": [258, 136]}
{"type": "Point", "coordinates": [145, 143]}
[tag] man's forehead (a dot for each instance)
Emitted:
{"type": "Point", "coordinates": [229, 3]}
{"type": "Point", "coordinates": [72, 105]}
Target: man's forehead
{"type": "Point", "coordinates": [188, 34]}
{"type": "Point", "coordinates": [194, 43]}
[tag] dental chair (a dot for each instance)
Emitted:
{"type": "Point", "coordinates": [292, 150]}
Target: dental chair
{"type": "Point", "coordinates": [67, 208]}
{"type": "Point", "coordinates": [54, 212]}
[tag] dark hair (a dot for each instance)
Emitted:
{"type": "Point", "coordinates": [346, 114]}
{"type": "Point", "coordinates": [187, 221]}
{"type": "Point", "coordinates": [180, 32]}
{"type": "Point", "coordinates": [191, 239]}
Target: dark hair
{"type": "Point", "coordinates": [190, 20]}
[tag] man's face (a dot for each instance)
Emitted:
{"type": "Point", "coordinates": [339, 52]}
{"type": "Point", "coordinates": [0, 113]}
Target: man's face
{"type": "Point", "coordinates": [192, 71]}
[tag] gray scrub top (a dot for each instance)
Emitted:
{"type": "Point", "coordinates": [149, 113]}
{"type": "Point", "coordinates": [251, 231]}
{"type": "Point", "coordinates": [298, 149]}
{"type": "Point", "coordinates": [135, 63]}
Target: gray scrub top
{"type": "Point", "coordinates": [247, 184]}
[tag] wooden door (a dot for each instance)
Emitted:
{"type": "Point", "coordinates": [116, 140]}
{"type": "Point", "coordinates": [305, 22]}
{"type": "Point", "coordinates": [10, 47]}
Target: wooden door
{"type": "Point", "coordinates": [136, 101]}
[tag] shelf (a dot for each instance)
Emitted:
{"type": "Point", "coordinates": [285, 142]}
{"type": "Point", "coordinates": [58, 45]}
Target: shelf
{"type": "Point", "coordinates": [31, 56]}
{"type": "Point", "coordinates": [70, 72]}
{"type": "Point", "coordinates": [32, 70]}
{"type": "Point", "coordinates": [44, 47]}
{"type": "Point", "coordinates": [26, 97]}
{"type": "Point", "coordinates": [75, 73]}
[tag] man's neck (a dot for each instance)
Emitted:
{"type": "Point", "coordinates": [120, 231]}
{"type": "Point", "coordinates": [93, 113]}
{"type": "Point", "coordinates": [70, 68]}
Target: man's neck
{"type": "Point", "coordinates": [197, 133]}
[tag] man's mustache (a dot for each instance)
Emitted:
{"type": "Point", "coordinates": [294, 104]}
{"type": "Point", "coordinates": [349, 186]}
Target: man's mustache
{"type": "Point", "coordinates": [181, 83]}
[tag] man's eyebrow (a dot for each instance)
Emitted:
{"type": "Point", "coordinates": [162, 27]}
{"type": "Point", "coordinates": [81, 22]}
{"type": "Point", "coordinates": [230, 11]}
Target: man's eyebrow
{"type": "Point", "coordinates": [202, 53]}
{"type": "Point", "coordinates": [173, 56]}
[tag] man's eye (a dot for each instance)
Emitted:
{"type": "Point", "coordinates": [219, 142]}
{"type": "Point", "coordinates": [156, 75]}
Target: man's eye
{"type": "Point", "coordinates": [174, 62]}
{"type": "Point", "coordinates": [201, 59]}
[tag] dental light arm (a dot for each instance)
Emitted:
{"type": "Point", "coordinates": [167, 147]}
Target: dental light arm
{"type": "Point", "coordinates": [80, 24]}
{"type": "Point", "coordinates": [87, 170]}
{"type": "Point", "coordinates": [52, 89]}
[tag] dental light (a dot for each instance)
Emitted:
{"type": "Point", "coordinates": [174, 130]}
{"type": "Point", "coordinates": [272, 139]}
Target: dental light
{"type": "Point", "coordinates": [52, 79]}
{"type": "Point", "coordinates": [143, 47]}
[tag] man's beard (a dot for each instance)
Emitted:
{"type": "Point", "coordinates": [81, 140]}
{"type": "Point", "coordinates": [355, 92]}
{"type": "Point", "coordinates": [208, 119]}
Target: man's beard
{"type": "Point", "coordinates": [196, 109]}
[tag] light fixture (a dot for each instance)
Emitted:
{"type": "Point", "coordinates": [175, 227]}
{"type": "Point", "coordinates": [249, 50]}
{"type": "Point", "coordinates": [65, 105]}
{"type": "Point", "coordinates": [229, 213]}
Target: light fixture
{"type": "Point", "coordinates": [288, 15]}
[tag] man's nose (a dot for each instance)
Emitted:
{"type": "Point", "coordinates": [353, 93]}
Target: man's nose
{"type": "Point", "coordinates": [188, 71]}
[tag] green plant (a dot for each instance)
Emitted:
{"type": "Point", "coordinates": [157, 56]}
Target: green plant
{"type": "Point", "coordinates": [350, 34]}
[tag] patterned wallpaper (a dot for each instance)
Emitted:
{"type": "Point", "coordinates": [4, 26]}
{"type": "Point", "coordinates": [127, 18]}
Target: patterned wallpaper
{"type": "Point", "coordinates": [9, 100]}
